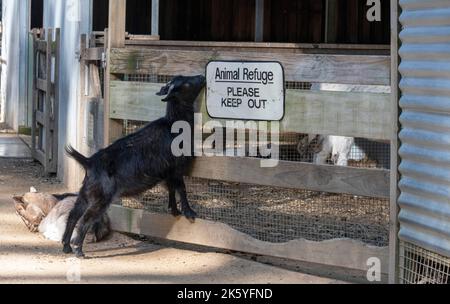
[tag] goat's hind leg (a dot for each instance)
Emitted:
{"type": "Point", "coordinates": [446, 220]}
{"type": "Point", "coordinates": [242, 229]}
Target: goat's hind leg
{"type": "Point", "coordinates": [93, 214]}
{"type": "Point", "coordinates": [74, 215]}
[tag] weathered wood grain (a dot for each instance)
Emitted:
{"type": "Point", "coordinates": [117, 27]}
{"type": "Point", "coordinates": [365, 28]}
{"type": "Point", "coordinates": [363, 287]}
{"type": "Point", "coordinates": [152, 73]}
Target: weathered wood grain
{"type": "Point", "coordinates": [41, 84]}
{"type": "Point", "coordinates": [40, 117]}
{"type": "Point", "coordinates": [92, 53]}
{"type": "Point", "coordinates": [339, 252]}
{"type": "Point", "coordinates": [338, 113]}
{"type": "Point", "coordinates": [332, 113]}
{"type": "Point", "coordinates": [41, 46]}
{"type": "Point", "coordinates": [328, 178]}
{"type": "Point", "coordinates": [135, 101]}
{"type": "Point", "coordinates": [351, 69]}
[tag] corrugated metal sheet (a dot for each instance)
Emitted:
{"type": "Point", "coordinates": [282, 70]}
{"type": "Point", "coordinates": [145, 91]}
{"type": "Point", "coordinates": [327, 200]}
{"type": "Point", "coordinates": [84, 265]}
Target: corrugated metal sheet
{"type": "Point", "coordinates": [425, 124]}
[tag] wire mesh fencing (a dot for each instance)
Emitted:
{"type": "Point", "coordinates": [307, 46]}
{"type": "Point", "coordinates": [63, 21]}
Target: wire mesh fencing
{"type": "Point", "coordinates": [421, 266]}
{"type": "Point", "coordinates": [279, 214]}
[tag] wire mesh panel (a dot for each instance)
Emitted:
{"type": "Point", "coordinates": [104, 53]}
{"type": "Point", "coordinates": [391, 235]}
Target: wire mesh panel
{"type": "Point", "coordinates": [421, 266]}
{"type": "Point", "coordinates": [277, 214]}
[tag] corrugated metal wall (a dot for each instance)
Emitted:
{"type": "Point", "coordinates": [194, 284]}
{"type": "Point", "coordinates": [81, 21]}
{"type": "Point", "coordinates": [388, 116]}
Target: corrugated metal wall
{"type": "Point", "coordinates": [425, 124]}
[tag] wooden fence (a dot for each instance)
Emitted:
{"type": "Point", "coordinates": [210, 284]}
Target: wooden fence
{"type": "Point", "coordinates": [44, 131]}
{"type": "Point", "coordinates": [335, 113]}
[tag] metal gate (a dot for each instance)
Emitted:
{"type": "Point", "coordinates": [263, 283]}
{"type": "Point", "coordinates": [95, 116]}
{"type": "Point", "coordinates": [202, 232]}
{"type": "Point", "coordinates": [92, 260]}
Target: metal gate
{"type": "Point", "coordinates": [44, 132]}
{"type": "Point", "coordinates": [425, 142]}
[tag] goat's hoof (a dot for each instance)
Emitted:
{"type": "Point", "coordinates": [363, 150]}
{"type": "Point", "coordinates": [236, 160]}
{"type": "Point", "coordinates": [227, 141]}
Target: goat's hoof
{"type": "Point", "coordinates": [79, 254]}
{"type": "Point", "coordinates": [175, 212]}
{"type": "Point", "coordinates": [67, 249]}
{"type": "Point", "coordinates": [190, 215]}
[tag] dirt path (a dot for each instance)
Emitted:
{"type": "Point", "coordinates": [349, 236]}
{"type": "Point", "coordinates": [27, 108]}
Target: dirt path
{"type": "Point", "coordinates": [29, 258]}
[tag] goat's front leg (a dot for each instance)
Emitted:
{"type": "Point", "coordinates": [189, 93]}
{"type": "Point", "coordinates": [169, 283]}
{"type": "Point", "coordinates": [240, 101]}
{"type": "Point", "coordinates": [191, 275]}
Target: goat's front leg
{"type": "Point", "coordinates": [172, 200]}
{"type": "Point", "coordinates": [185, 208]}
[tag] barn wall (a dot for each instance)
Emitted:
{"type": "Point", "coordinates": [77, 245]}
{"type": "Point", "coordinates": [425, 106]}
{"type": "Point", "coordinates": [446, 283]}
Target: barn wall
{"type": "Point", "coordinates": [352, 25]}
{"type": "Point", "coordinates": [14, 51]}
{"type": "Point", "coordinates": [138, 16]}
{"type": "Point", "coordinates": [73, 17]}
{"type": "Point", "coordinates": [234, 20]}
{"type": "Point", "coordinates": [425, 125]}
{"type": "Point", "coordinates": [294, 21]}
{"type": "Point", "coordinates": [207, 20]}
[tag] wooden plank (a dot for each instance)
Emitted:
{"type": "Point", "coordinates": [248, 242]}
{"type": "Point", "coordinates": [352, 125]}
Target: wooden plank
{"type": "Point", "coordinates": [135, 101]}
{"type": "Point", "coordinates": [40, 117]}
{"type": "Point", "coordinates": [94, 53]}
{"type": "Point", "coordinates": [41, 84]}
{"type": "Point", "coordinates": [338, 113]}
{"type": "Point", "coordinates": [95, 81]}
{"type": "Point", "coordinates": [339, 252]}
{"type": "Point", "coordinates": [48, 104]}
{"type": "Point", "coordinates": [116, 23]}
{"type": "Point", "coordinates": [39, 156]}
{"type": "Point", "coordinates": [298, 47]}
{"type": "Point", "coordinates": [41, 46]}
{"type": "Point", "coordinates": [330, 113]}
{"type": "Point", "coordinates": [142, 37]}
{"type": "Point", "coordinates": [394, 191]}
{"type": "Point", "coordinates": [115, 36]}
{"type": "Point", "coordinates": [296, 175]}
{"type": "Point", "coordinates": [350, 69]}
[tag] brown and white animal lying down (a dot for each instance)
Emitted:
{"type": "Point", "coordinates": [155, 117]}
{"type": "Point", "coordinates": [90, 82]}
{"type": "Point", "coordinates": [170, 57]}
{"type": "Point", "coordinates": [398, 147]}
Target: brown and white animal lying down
{"type": "Point", "coordinates": [339, 148]}
{"type": "Point", "coordinates": [48, 213]}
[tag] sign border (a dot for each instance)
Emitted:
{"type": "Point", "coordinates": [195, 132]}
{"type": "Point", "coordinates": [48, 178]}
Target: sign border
{"type": "Point", "coordinates": [244, 61]}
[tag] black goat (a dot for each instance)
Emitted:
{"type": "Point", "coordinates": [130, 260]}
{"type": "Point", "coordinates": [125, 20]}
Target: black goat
{"type": "Point", "coordinates": [136, 163]}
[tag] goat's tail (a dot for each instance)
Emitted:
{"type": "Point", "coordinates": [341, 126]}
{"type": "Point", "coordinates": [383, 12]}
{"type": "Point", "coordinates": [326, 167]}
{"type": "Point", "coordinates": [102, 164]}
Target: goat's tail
{"type": "Point", "coordinates": [80, 158]}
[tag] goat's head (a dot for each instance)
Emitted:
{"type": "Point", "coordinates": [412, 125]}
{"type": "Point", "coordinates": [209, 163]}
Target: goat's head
{"type": "Point", "coordinates": [183, 89]}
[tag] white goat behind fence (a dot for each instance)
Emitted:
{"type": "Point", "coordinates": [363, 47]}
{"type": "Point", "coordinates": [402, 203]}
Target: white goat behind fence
{"type": "Point", "coordinates": [339, 147]}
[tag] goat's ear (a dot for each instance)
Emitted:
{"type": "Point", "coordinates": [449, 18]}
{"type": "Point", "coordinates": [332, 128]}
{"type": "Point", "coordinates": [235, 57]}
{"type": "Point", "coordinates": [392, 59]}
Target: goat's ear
{"type": "Point", "coordinates": [168, 91]}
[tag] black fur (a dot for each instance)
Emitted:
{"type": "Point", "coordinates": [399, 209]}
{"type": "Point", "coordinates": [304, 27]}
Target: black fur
{"type": "Point", "coordinates": [136, 163]}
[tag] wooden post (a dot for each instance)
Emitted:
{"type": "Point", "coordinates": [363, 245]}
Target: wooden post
{"type": "Point", "coordinates": [155, 17]}
{"type": "Point", "coordinates": [259, 20]}
{"type": "Point", "coordinates": [116, 23]}
{"type": "Point", "coordinates": [393, 222]}
{"type": "Point", "coordinates": [115, 36]}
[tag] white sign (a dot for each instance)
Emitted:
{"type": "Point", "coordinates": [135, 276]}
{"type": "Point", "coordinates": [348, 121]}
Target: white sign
{"type": "Point", "coordinates": [245, 90]}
